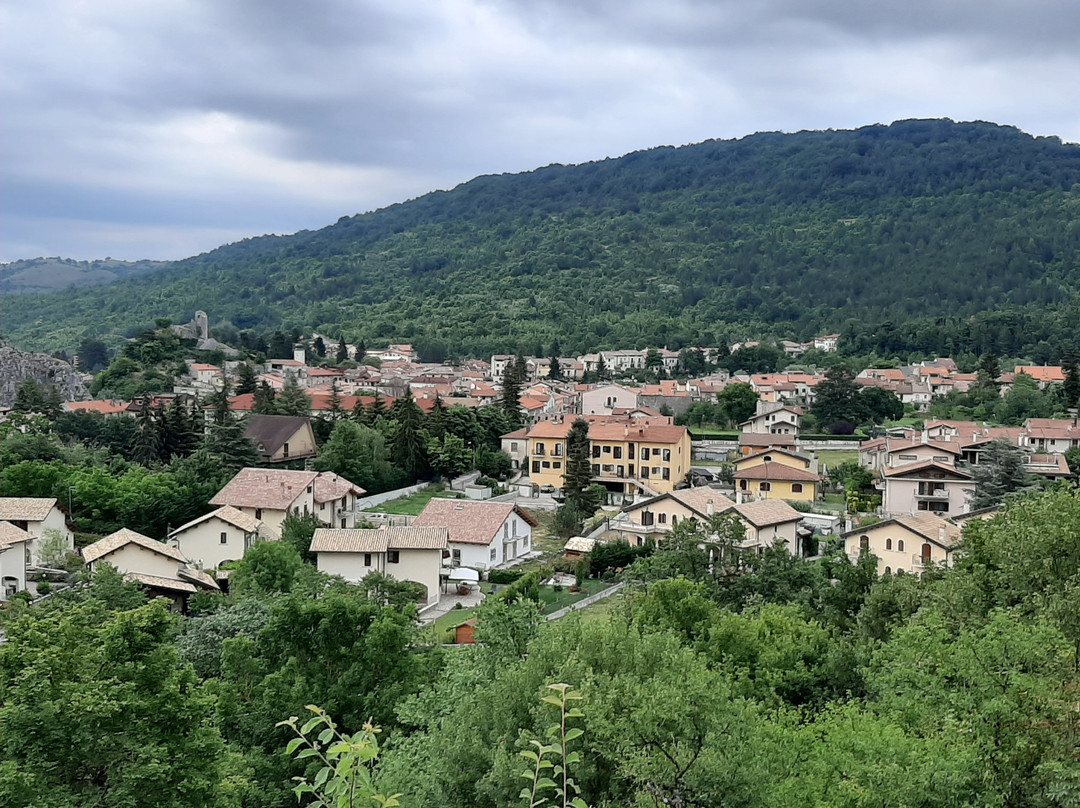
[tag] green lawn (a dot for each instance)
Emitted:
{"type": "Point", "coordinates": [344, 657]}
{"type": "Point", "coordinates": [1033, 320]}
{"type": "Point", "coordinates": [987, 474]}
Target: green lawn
{"type": "Point", "coordinates": [602, 609]}
{"type": "Point", "coordinates": [552, 601]}
{"type": "Point", "coordinates": [411, 506]}
{"type": "Point", "coordinates": [834, 459]}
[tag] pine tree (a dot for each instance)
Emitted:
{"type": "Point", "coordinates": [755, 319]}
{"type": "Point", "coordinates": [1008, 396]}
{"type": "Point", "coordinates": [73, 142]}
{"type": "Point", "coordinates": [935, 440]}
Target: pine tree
{"type": "Point", "coordinates": [409, 443]}
{"type": "Point", "coordinates": [577, 478]}
{"type": "Point", "coordinates": [280, 347]}
{"type": "Point", "coordinates": [342, 351]}
{"type": "Point", "coordinates": [247, 381]}
{"type": "Point", "coordinates": [511, 393]}
{"type": "Point", "coordinates": [601, 369]}
{"type": "Point", "coordinates": [521, 370]}
{"type": "Point", "coordinates": [555, 372]}
{"type": "Point", "coordinates": [180, 437]}
{"type": "Point", "coordinates": [228, 444]}
{"type": "Point", "coordinates": [29, 397]}
{"type": "Point", "coordinates": [436, 419]}
{"type": "Point", "coordinates": [320, 347]}
{"type": "Point", "coordinates": [293, 400]}
{"type": "Point", "coordinates": [265, 400]}
{"type": "Point", "coordinates": [337, 411]}
{"type": "Point", "coordinates": [1071, 388]}
{"type": "Point", "coordinates": [147, 449]}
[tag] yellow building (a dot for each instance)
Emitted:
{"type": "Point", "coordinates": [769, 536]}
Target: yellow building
{"type": "Point", "coordinates": [777, 474]}
{"type": "Point", "coordinates": [908, 543]}
{"type": "Point", "coordinates": [627, 457]}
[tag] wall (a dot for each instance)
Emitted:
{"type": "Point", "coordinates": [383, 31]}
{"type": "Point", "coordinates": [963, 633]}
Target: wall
{"type": "Point", "coordinates": [202, 543]}
{"type": "Point", "coordinates": [378, 499]}
{"type": "Point", "coordinates": [134, 558]}
{"type": "Point", "coordinates": [350, 566]}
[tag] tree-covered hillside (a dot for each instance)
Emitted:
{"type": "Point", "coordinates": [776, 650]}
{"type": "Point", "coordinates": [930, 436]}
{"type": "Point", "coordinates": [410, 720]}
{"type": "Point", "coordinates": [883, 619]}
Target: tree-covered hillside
{"type": "Point", "coordinates": [923, 235]}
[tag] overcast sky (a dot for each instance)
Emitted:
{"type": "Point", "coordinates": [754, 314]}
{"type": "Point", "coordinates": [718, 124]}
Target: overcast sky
{"type": "Point", "coordinates": [164, 128]}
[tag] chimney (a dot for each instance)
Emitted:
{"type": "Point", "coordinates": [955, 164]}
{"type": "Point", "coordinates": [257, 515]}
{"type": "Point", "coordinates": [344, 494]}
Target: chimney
{"type": "Point", "coordinates": [925, 436]}
{"type": "Point", "coordinates": [941, 535]}
{"type": "Point", "coordinates": [710, 509]}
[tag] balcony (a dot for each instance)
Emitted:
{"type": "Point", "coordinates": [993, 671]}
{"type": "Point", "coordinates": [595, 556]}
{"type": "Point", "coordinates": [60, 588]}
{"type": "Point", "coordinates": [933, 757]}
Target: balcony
{"type": "Point", "coordinates": [940, 495]}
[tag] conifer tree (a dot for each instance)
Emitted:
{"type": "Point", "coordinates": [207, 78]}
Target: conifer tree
{"type": "Point", "coordinates": [436, 419]}
{"type": "Point", "coordinates": [337, 411]}
{"type": "Point", "coordinates": [246, 379]}
{"type": "Point", "coordinates": [293, 399]}
{"type": "Point", "coordinates": [555, 372]}
{"type": "Point", "coordinates": [265, 400]}
{"type": "Point", "coordinates": [409, 441]}
{"type": "Point", "coordinates": [342, 351]}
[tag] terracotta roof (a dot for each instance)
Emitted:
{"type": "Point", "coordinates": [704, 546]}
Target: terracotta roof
{"type": "Point", "coordinates": [10, 534]}
{"type": "Point", "coordinates": [952, 447]}
{"type": "Point", "coordinates": [638, 433]}
{"type": "Point", "coordinates": [329, 487]}
{"type": "Point", "coordinates": [914, 468]}
{"type": "Point", "coordinates": [30, 509]}
{"type": "Point", "coordinates": [228, 514]}
{"type": "Point", "coordinates": [698, 499]}
{"type": "Point", "coordinates": [766, 512]}
{"type": "Point", "coordinates": [518, 433]}
{"type": "Point", "coordinates": [123, 537]}
{"type": "Point", "coordinates": [379, 540]}
{"type": "Point", "coordinates": [104, 407]}
{"type": "Point", "coordinates": [275, 489]}
{"type": "Point", "coordinates": [1046, 373]}
{"type": "Point", "coordinates": [763, 452]}
{"type": "Point", "coordinates": [776, 471]}
{"type": "Point", "coordinates": [157, 582]}
{"type": "Point", "coordinates": [197, 577]}
{"type": "Point", "coordinates": [1050, 465]}
{"type": "Point", "coordinates": [469, 522]}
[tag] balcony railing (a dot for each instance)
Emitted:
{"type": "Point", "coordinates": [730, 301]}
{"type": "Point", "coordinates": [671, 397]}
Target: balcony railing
{"type": "Point", "coordinates": [939, 496]}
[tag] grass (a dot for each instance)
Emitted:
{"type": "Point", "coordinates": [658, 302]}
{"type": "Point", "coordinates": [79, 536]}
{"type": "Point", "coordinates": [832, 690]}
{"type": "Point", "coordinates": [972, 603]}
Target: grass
{"type": "Point", "coordinates": [412, 505]}
{"type": "Point", "coordinates": [602, 609]}
{"type": "Point", "coordinates": [833, 459]}
{"type": "Point", "coordinates": [552, 601]}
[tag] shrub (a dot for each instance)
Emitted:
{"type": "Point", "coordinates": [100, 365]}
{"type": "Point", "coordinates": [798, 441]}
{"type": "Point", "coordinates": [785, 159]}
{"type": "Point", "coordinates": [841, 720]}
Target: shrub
{"type": "Point", "coordinates": [504, 576]}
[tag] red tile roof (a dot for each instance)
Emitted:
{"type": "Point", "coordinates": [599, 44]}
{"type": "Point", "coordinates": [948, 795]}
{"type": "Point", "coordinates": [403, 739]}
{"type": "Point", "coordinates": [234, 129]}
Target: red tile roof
{"type": "Point", "coordinates": [469, 522]}
{"type": "Point", "coordinates": [776, 471]}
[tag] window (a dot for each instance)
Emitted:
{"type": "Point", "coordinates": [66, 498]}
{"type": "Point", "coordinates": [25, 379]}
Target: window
{"type": "Point", "coordinates": [900, 545]}
{"type": "Point", "coordinates": [393, 556]}
{"type": "Point", "coordinates": [617, 453]}
{"type": "Point", "coordinates": [864, 543]}
{"type": "Point", "coordinates": [888, 544]}
{"type": "Point", "coordinates": [506, 530]}
{"type": "Point", "coordinates": [285, 450]}
{"type": "Point", "coordinates": [536, 467]}
{"type": "Point", "coordinates": [556, 450]}
{"type": "Point", "coordinates": [663, 518]}
{"type": "Point", "coordinates": [545, 464]}
{"type": "Point", "coordinates": [513, 528]}
{"type": "Point", "coordinates": [926, 552]}
{"type": "Point", "coordinates": [455, 555]}
{"type": "Point", "coordinates": [595, 451]}
{"type": "Point", "coordinates": [525, 542]}
{"type": "Point", "coordinates": [888, 570]}
{"type": "Point", "coordinates": [595, 469]}
{"type": "Point", "coordinates": [322, 506]}
{"type": "Point", "coordinates": [606, 449]}
{"type": "Point", "coordinates": [796, 488]}
{"type": "Point", "coordinates": [767, 458]}
{"type": "Point", "coordinates": [630, 452]}
{"type": "Point", "coordinates": [224, 538]}
{"type": "Point", "coordinates": [764, 486]}
{"type": "Point", "coordinates": [367, 559]}
{"type": "Point", "coordinates": [667, 455]}
{"type": "Point", "coordinates": [258, 513]}
{"type": "Point", "coordinates": [647, 518]}
{"type": "Point", "coordinates": [743, 485]}
{"type": "Point", "coordinates": [666, 473]}
{"type": "Point", "coordinates": [538, 449]}
{"type": "Point", "coordinates": [644, 452]}
{"type": "Point", "coordinates": [513, 446]}
{"type": "Point", "coordinates": [492, 553]}
{"type": "Point", "coordinates": [309, 489]}
{"type": "Point", "coordinates": [556, 464]}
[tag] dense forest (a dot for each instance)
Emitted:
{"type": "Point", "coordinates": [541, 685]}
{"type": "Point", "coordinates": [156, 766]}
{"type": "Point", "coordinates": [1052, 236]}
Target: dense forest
{"type": "Point", "coordinates": [922, 236]}
{"type": "Point", "coordinates": [759, 681]}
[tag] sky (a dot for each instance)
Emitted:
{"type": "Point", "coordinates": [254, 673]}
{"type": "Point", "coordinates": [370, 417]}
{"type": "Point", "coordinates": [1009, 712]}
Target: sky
{"type": "Point", "coordinates": [164, 128]}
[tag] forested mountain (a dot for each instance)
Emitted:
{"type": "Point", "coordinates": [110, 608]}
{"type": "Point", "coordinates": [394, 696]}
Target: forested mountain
{"type": "Point", "coordinates": [52, 274]}
{"type": "Point", "coordinates": [919, 236]}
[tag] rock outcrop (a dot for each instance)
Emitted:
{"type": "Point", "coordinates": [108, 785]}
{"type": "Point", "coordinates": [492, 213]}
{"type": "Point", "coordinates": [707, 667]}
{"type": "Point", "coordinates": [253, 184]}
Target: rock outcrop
{"type": "Point", "coordinates": [17, 366]}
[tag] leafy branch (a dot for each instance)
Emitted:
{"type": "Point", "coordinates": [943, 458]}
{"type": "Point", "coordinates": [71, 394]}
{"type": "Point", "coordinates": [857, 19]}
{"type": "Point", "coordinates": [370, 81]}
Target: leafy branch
{"type": "Point", "coordinates": [551, 761]}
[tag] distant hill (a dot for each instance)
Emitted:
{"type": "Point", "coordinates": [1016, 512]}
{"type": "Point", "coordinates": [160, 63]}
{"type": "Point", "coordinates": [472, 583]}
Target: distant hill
{"type": "Point", "coordinates": [37, 275]}
{"type": "Point", "coordinates": [924, 235]}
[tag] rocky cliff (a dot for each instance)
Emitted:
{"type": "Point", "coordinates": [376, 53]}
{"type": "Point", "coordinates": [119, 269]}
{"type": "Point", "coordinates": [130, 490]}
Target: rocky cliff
{"type": "Point", "coordinates": [17, 366]}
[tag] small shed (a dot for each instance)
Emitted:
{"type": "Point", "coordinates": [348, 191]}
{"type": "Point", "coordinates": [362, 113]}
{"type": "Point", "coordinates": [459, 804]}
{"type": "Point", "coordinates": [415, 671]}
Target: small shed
{"type": "Point", "coordinates": [463, 634]}
{"type": "Point", "coordinates": [579, 546]}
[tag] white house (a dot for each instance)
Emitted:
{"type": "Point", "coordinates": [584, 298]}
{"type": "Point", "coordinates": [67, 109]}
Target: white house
{"type": "Point", "coordinates": [36, 515]}
{"type": "Point", "coordinates": [157, 566]}
{"type": "Point", "coordinates": [14, 548]}
{"type": "Point", "coordinates": [773, 419]}
{"type": "Point", "coordinates": [482, 535]}
{"type": "Point", "coordinates": [220, 536]}
{"type": "Point", "coordinates": [271, 494]}
{"type": "Point", "coordinates": [405, 553]}
{"type": "Point", "coordinates": [607, 398]}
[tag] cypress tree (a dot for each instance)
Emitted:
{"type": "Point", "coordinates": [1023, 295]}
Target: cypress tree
{"type": "Point", "coordinates": [293, 400]}
{"type": "Point", "coordinates": [409, 440]}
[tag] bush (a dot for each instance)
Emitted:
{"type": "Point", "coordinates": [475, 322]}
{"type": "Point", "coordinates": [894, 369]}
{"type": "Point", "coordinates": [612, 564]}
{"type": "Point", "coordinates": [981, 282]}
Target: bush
{"type": "Point", "coordinates": [504, 576]}
{"type": "Point", "coordinates": [44, 588]}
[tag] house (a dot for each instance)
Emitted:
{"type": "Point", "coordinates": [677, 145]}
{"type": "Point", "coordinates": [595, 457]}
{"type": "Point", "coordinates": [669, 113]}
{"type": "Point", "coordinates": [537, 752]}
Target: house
{"type": "Point", "coordinates": [464, 634]}
{"type": "Point", "coordinates": [14, 550]}
{"type": "Point", "coordinates": [1053, 435]}
{"type": "Point", "coordinates": [107, 409]}
{"type": "Point", "coordinates": [36, 515]}
{"type": "Point", "coordinates": [752, 443]}
{"type": "Point", "coordinates": [767, 523]}
{"type": "Point", "coordinates": [281, 438]}
{"type": "Point", "coordinates": [413, 553]}
{"type": "Point", "coordinates": [777, 474]}
{"type": "Point", "coordinates": [628, 457]}
{"type": "Point", "coordinates": [828, 343]}
{"type": "Point", "coordinates": [773, 419]}
{"type": "Point", "coordinates": [516, 444]}
{"type": "Point", "coordinates": [219, 536]}
{"type": "Point", "coordinates": [905, 543]}
{"type": "Point", "coordinates": [482, 535]}
{"type": "Point", "coordinates": [270, 495]}
{"type": "Point", "coordinates": [603, 400]}
{"type": "Point", "coordinates": [158, 567]}
{"type": "Point", "coordinates": [926, 486]}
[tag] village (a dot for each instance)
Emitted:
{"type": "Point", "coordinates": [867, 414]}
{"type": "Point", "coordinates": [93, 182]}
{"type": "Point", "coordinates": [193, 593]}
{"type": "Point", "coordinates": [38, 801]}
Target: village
{"type": "Point", "coordinates": [650, 470]}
